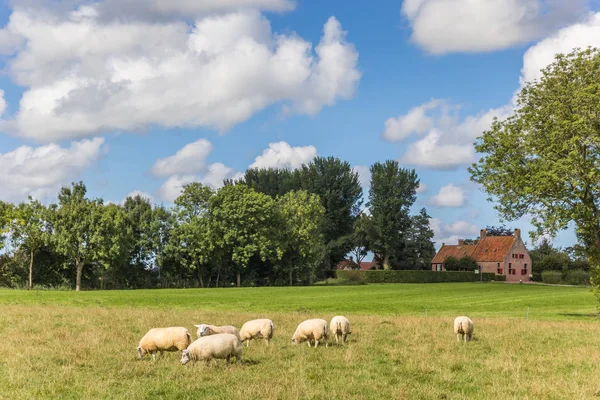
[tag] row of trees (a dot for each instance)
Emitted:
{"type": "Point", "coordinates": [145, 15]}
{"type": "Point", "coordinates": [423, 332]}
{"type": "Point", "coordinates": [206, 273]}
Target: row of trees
{"type": "Point", "coordinates": [271, 227]}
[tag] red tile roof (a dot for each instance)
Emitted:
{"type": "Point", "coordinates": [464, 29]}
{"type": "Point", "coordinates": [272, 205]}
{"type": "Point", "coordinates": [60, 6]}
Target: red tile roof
{"type": "Point", "coordinates": [490, 248]}
{"type": "Point", "coordinates": [367, 265]}
{"type": "Point", "coordinates": [456, 251]}
{"type": "Point", "coordinates": [346, 263]}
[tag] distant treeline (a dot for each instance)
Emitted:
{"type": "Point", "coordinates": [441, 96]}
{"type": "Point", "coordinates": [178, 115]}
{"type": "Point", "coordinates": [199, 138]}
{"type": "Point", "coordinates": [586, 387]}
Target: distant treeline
{"type": "Point", "coordinates": [271, 227]}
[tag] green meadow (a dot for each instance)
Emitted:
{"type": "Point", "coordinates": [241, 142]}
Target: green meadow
{"type": "Point", "coordinates": [530, 342]}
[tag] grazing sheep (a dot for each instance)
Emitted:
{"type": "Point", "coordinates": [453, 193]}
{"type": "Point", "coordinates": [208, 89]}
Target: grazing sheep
{"type": "Point", "coordinates": [218, 346]}
{"type": "Point", "coordinates": [340, 327]}
{"type": "Point", "coordinates": [207, 330]}
{"type": "Point", "coordinates": [163, 339]}
{"type": "Point", "coordinates": [463, 328]}
{"type": "Point", "coordinates": [311, 329]}
{"type": "Point", "coordinates": [255, 329]}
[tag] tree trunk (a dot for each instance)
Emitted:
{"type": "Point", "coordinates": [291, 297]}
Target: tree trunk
{"type": "Point", "coordinates": [291, 277]}
{"type": "Point", "coordinates": [201, 282]}
{"type": "Point", "coordinates": [386, 262]}
{"type": "Point", "coordinates": [238, 280]}
{"type": "Point", "coordinates": [218, 273]}
{"type": "Point", "coordinates": [79, 266]}
{"type": "Point", "coordinates": [31, 270]}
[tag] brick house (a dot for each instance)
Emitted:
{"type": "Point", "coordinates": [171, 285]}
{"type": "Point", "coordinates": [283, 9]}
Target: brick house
{"type": "Point", "coordinates": [502, 255]}
{"type": "Point", "coordinates": [350, 264]}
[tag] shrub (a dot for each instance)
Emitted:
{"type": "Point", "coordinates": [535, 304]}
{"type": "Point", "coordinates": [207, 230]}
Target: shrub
{"type": "Point", "coordinates": [500, 278]}
{"type": "Point", "coordinates": [416, 276]}
{"type": "Point", "coordinates": [577, 277]}
{"type": "Point", "coordinates": [468, 263]}
{"type": "Point", "coordinates": [452, 263]}
{"type": "Point", "coordinates": [553, 277]}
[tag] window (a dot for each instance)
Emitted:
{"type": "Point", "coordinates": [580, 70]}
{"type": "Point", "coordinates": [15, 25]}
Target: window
{"type": "Point", "coordinates": [438, 267]}
{"type": "Point", "coordinates": [499, 270]}
{"type": "Point", "coordinates": [521, 255]}
{"type": "Point", "coordinates": [510, 270]}
{"type": "Point", "coordinates": [524, 271]}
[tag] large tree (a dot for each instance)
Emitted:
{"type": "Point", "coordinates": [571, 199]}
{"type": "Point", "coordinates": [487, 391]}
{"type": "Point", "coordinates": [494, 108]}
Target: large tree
{"type": "Point", "coordinates": [393, 192]}
{"type": "Point", "coordinates": [29, 230]}
{"type": "Point", "coordinates": [420, 249]}
{"type": "Point", "coordinates": [244, 224]}
{"type": "Point", "coordinates": [544, 160]}
{"type": "Point", "coordinates": [76, 227]}
{"type": "Point", "coordinates": [272, 181]}
{"type": "Point", "coordinates": [338, 187]}
{"type": "Point", "coordinates": [5, 216]}
{"type": "Point", "coordinates": [300, 237]}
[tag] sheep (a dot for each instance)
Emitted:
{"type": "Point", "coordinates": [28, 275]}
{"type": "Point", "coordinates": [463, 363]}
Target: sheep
{"type": "Point", "coordinates": [163, 339]}
{"type": "Point", "coordinates": [218, 346]}
{"type": "Point", "coordinates": [463, 328]}
{"type": "Point", "coordinates": [340, 326]}
{"type": "Point", "coordinates": [206, 330]}
{"type": "Point", "coordinates": [311, 329]}
{"type": "Point", "coordinates": [257, 328]}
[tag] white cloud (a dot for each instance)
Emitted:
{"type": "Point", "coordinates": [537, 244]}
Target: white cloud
{"type": "Point", "coordinates": [41, 171]}
{"type": "Point", "coordinates": [584, 34]}
{"type": "Point", "coordinates": [217, 173]}
{"type": "Point", "coordinates": [432, 152]}
{"type": "Point", "coordinates": [449, 196]}
{"type": "Point", "coordinates": [282, 155]}
{"type": "Point", "coordinates": [83, 74]}
{"type": "Point", "coordinates": [2, 103]}
{"type": "Point", "coordinates": [171, 189]}
{"type": "Point", "coordinates": [138, 193]}
{"type": "Point", "coordinates": [188, 160]}
{"type": "Point", "coordinates": [415, 121]}
{"type": "Point", "coordinates": [364, 175]}
{"type": "Point", "coordinates": [422, 188]}
{"type": "Point", "coordinates": [450, 233]}
{"type": "Point", "coordinates": [445, 26]}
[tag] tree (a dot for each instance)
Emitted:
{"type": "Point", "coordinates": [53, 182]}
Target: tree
{"type": "Point", "coordinates": [300, 238]}
{"type": "Point", "coordinates": [29, 230]}
{"type": "Point", "coordinates": [76, 233]}
{"type": "Point", "coordinates": [243, 224]}
{"type": "Point", "coordinates": [338, 187]}
{"type": "Point", "coordinates": [420, 248]}
{"type": "Point", "coordinates": [271, 181]}
{"type": "Point", "coordinates": [392, 193]}
{"type": "Point", "coordinates": [5, 216]}
{"type": "Point", "coordinates": [452, 263]}
{"type": "Point", "coordinates": [360, 238]}
{"type": "Point", "coordinates": [161, 228]}
{"type": "Point", "coordinates": [499, 231]}
{"type": "Point", "coordinates": [545, 159]}
{"type": "Point", "coordinates": [467, 263]}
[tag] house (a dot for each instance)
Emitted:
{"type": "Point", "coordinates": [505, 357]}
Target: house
{"type": "Point", "coordinates": [502, 255]}
{"type": "Point", "coordinates": [350, 264]}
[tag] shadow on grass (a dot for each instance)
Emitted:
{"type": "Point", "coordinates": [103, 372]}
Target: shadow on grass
{"type": "Point", "coordinates": [580, 315]}
{"type": "Point", "coordinates": [248, 362]}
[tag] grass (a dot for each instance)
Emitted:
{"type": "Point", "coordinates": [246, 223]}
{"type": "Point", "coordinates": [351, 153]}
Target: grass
{"type": "Point", "coordinates": [82, 345]}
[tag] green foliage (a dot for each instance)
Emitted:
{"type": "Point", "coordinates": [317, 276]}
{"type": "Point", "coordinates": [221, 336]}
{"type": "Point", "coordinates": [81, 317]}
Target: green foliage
{"type": "Point", "coordinates": [467, 263]}
{"type": "Point", "coordinates": [501, 230]}
{"type": "Point", "coordinates": [410, 276]}
{"type": "Point", "coordinates": [544, 160]}
{"type": "Point", "coordinates": [271, 181]}
{"type": "Point", "coordinates": [393, 192]}
{"type": "Point", "coordinates": [360, 238]}
{"type": "Point", "coordinates": [452, 263]}
{"type": "Point", "coordinates": [552, 277]}
{"type": "Point", "coordinates": [577, 277]}
{"type": "Point", "coordinates": [500, 278]}
{"type": "Point", "coordinates": [419, 248]}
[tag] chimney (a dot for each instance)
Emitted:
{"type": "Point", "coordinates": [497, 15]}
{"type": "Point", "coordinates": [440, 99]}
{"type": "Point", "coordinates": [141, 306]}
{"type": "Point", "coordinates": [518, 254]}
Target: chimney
{"type": "Point", "coordinates": [443, 244]}
{"type": "Point", "coordinates": [482, 234]}
{"type": "Point", "coordinates": [461, 242]}
{"type": "Point", "coordinates": [517, 233]}
{"type": "Point", "coordinates": [351, 259]}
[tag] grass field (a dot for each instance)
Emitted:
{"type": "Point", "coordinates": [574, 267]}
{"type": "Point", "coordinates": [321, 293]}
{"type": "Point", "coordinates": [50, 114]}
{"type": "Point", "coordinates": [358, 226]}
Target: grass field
{"type": "Point", "coordinates": [82, 345]}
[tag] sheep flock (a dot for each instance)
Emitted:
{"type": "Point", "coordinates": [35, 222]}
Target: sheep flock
{"type": "Point", "coordinates": [226, 342]}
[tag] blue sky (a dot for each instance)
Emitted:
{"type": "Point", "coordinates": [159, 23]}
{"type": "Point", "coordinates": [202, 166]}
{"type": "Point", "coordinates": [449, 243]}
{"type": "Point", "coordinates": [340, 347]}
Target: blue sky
{"type": "Point", "coordinates": [145, 96]}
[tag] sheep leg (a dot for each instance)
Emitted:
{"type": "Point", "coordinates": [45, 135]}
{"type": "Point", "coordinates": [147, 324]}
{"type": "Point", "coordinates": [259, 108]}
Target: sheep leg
{"type": "Point", "coordinates": [207, 363]}
{"type": "Point", "coordinates": [162, 355]}
{"type": "Point", "coordinates": [326, 342]}
{"type": "Point", "coordinates": [344, 337]}
{"type": "Point", "coordinates": [153, 356]}
{"type": "Point", "coordinates": [228, 358]}
{"type": "Point", "coordinates": [238, 358]}
{"type": "Point", "coordinates": [308, 342]}
{"type": "Point", "coordinates": [248, 343]}
{"type": "Point", "coordinates": [458, 337]}
{"type": "Point", "coordinates": [316, 342]}
{"type": "Point", "coordinates": [336, 339]}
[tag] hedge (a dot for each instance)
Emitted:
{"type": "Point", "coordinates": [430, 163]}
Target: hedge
{"type": "Point", "coordinates": [554, 277]}
{"type": "Point", "coordinates": [500, 278]}
{"type": "Point", "coordinates": [412, 276]}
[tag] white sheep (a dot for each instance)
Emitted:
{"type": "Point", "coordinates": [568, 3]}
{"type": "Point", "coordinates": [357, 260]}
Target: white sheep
{"type": "Point", "coordinates": [163, 339]}
{"type": "Point", "coordinates": [311, 329]}
{"type": "Point", "coordinates": [218, 346]}
{"type": "Point", "coordinates": [256, 329]}
{"type": "Point", "coordinates": [207, 330]}
{"type": "Point", "coordinates": [340, 327]}
{"type": "Point", "coordinates": [463, 328]}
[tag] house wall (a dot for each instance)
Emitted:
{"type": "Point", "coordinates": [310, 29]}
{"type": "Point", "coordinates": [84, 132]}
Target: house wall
{"type": "Point", "coordinates": [517, 264]}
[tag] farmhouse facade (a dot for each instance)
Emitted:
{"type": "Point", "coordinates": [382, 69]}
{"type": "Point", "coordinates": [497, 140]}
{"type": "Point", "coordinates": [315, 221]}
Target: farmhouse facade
{"type": "Point", "coordinates": [502, 255]}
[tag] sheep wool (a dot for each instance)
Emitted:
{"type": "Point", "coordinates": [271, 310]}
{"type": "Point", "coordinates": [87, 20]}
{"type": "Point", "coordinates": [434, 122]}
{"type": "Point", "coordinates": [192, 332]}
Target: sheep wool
{"type": "Point", "coordinates": [218, 346]}
{"type": "Point", "coordinates": [256, 329]}
{"type": "Point", "coordinates": [311, 329]}
{"type": "Point", "coordinates": [463, 328]}
{"type": "Point", "coordinates": [340, 327]}
{"type": "Point", "coordinates": [163, 339]}
{"type": "Point", "coordinates": [207, 330]}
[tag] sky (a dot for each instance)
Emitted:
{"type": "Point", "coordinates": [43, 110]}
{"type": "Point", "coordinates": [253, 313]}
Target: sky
{"type": "Point", "coordinates": [144, 96]}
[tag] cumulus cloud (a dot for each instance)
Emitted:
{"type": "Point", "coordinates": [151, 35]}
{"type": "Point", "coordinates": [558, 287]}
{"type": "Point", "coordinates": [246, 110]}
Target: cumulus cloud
{"type": "Point", "coordinates": [83, 74]}
{"type": "Point", "coordinates": [188, 165]}
{"type": "Point", "coordinates": [415, 121]}
{"type": "Point", "coordinates": [445, 26]}
{"type": "Point", "coordinates": [188, 160]}
{"type": "Point", "coordinates": [422, 188]}
{"type": "Point", "coordinates": [432, 152]}
{"type": "Point", "coordinates": [282, 155]}
{"type": "Point", "coordinates": [449, 196]}
{"type": "Point", "coordinates": [450, 233]}
{"type": "Point", "coordinates": [41, 171]}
